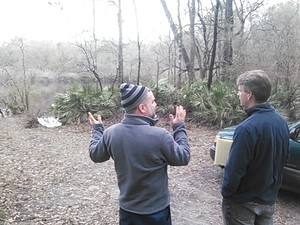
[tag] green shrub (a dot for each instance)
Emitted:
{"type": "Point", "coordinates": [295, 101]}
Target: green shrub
{"type": "Point", "coordinates": [217, 106]}
{"type": "Point", "coordinates": [166, 97]}
{"type": "Point", "coordinates": [285, 100]}
{"type": "Point", "coordinates": [72, 107]}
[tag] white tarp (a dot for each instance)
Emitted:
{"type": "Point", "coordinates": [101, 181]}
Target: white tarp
{"type": "Point", "coordinates": [5, 112]}
{"type": "Point", "coordinates": [49, 121]}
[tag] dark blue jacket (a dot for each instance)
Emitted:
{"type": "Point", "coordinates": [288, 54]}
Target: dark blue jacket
{"type": "Point", "coordinates": [258, 153]}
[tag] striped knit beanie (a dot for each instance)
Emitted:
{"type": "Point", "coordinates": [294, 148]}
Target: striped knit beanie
{"type": "Point", "coordinates": [132, 95]}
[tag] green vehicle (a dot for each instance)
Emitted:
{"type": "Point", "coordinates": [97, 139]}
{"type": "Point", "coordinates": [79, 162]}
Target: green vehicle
{"type": "Point", "coordinates": [291, 172]}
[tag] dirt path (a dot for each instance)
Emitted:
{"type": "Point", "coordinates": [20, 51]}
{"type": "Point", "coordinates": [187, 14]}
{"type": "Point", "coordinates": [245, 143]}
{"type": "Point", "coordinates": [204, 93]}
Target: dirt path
{"type": "Point", "coordinates": [46, 177]}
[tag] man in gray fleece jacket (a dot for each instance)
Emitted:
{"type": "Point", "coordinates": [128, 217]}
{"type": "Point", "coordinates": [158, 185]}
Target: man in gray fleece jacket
{"type": "Point", "coordinates": [141, 153]}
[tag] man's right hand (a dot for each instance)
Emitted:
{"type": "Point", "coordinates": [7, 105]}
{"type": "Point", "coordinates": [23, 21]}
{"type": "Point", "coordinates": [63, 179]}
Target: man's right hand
{"type": "Point", "coordinates": [179, 116]}
{"type": "Point", "coordinates": [92, 119]}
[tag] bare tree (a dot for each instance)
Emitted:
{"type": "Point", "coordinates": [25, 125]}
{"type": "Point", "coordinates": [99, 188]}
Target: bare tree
{"type": "Point", "coordinates": [236, 15]}
{"type": "Point", "coordinates": [203, 61]}
{"type": "Point", "coordinates": [177, 35]}
{"type": "Point", "coordinates": [192, 13]}
{"type": "Point", "coordinates": [24, 91]}
{"type": "Point", "coordinates": [94, 52]}
{"type": "Point", "coordinates": [277, 43]}
{"type": "Point", "coordinates": [180, 40]}
{"type": "Point", "coordinates": [89, 64]}
{"type": "Point", "coordinates": [138, 44]}
{"type": "Point", "coordinates": [120, 67]}
{"type": "Point", "coordinates": [228, 35]}
{"type": "Point", "coordinates": [18, 82]}
{"type": "Point", "coordinates": [244, 11]}
{"type": "Point", "coordinates": [214, 47]}
{"type": "Point", "coordinates": [120, 47]}
{"type": "Point", "coordinates": [89, 50]}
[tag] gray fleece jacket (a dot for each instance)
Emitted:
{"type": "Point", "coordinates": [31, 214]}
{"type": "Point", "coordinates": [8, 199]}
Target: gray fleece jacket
{"type": "Point", "coordinates": [141, 153]}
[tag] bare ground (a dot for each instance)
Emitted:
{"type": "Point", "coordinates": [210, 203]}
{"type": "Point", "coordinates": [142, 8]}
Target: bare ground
{"type": "Point", "coordinates": [46, 177]}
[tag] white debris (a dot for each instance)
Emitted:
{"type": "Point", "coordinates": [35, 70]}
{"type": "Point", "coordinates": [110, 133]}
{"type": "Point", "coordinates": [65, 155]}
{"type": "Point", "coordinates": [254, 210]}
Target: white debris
{"type": "Point", "coordinates": [49, 121]}
{"type": "Point", "coordinates": [5, 112]}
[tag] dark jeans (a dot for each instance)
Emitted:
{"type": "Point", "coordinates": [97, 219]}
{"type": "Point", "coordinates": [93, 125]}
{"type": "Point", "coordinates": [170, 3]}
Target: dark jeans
{"type": "Point", "coordinates": [247, 213]}
{"type": "Point", "coordinates": [160, 218]}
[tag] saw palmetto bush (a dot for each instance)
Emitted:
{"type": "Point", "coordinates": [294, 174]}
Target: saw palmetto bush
{"type": "Point", "coordinates": [167, 97]}
{"type": "Point", "coordinates": [73, 106]}
{"type": "Point", "coordinates": [217, 106]}
{"type": "Point", "coordinates": [286, 101]}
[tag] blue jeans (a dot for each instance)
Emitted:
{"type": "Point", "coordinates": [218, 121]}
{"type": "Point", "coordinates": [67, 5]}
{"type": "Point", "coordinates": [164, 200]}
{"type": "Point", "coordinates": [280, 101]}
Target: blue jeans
{"type": "Point", "coordinates": [159, 218]}
{"type": "Point", "coordinates": [247, 213]}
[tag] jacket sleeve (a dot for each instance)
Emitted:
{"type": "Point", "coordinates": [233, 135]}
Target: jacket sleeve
{"type": "Point", "coordinates": [97, 148]}
{"type": "Point", "coordinates": [176, 149]}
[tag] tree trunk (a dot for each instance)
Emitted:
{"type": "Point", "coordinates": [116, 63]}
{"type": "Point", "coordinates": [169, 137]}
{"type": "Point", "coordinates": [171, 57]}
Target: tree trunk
{"type": "Point", "coordinates": [203, 64]}
{"type": "Point", "coordinates": [120, 47]}
{"type": "Point", "coordinates": [228, 36]}
{"type": "Point", "coordinates": [177, 36]}
{"type": "Point", "coordinates": [95, 56]}
{"type": "Point", "coordinates": [214, 47]}
{"type": "Point", "coordinates": [25, 92]}
{"type": "Point", "coordinates": [192, 11]}
{"type": "Point", "coordinates": [180, 70]}
{"type": "Point", "coordinates": [89, 65]}
{"type": "Point", "coordinates": [138, 44]}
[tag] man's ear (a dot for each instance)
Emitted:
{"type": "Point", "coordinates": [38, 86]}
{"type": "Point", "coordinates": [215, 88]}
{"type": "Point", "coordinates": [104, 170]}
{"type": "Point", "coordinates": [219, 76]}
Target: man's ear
{"type": "Point", "coordinates": [250, 95]}
{"type": "Point", "coordinates": [142, 108]}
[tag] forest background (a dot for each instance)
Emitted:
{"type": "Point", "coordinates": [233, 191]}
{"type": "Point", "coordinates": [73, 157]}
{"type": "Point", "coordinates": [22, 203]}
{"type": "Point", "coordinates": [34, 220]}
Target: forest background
{"type": "Point", "coordinates": [195, 64]}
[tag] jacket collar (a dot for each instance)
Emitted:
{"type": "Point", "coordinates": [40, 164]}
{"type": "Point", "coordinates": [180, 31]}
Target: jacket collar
{"type": "Point", "coordinates": [139, 120]}
{"type": "Point", "coordinates": [264, 107]}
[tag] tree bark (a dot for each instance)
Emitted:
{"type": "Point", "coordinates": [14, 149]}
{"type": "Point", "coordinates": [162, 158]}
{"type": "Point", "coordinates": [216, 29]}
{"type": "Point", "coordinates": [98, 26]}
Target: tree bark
{"type": "Point", "coordinates": [192, 12]}
{"type": "Point", "coordinates": [228, 36]}
{"type": "Point", "coordinates": [138, 44]}
{"type": "Point", "coordinates": [120, 46]}
{"type": "Point", "coordinates": [203, 64]}
{"type": "Point", "coordinates": [177, 36]}
{"type": "Point", "coordinates": [214, 47]}
{"type": "Point", "coordinates": [95, 56]}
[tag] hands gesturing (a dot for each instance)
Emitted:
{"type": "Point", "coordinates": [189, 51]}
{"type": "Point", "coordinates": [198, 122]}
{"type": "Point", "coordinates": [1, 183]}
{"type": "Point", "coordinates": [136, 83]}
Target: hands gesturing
{"type": "Point", "coordinates": [92, 119]}
{"type": "Point", "coordinates": [179, 116]}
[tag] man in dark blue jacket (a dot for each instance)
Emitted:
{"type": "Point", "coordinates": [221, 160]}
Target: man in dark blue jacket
{"type": "Point", "coordinates": [260, 148]}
